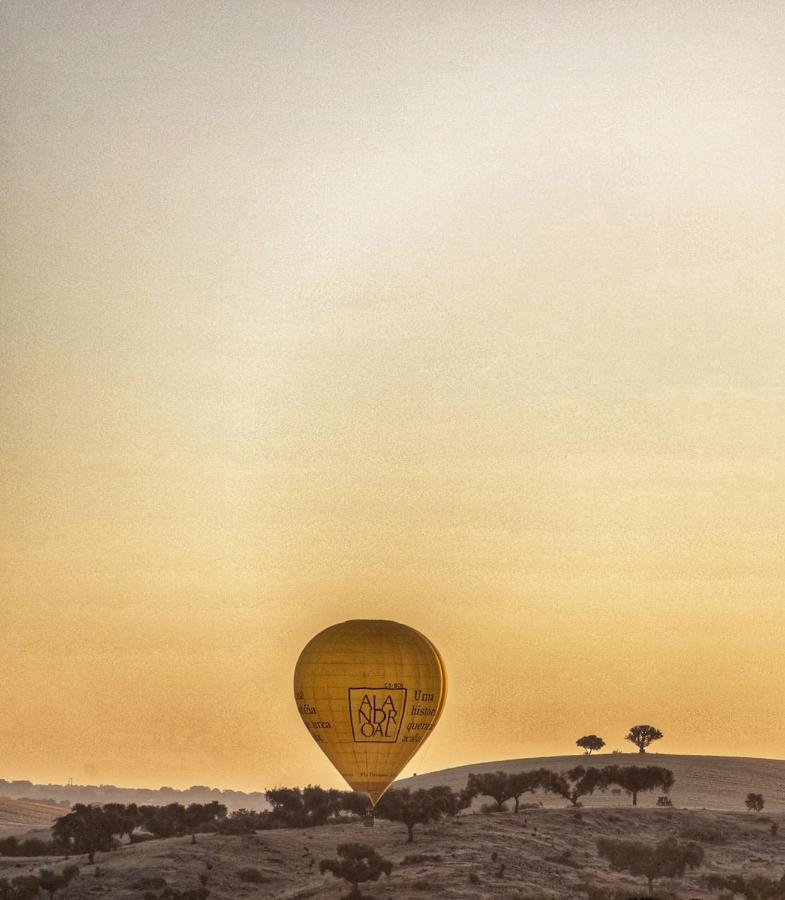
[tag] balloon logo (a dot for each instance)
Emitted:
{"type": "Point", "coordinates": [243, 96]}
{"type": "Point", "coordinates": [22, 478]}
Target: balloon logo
{"type": "Point", "coordinates": [370, 692]}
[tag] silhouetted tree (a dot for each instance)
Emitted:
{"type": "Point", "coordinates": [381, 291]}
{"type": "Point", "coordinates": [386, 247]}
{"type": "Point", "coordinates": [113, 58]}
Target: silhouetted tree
{"type": "Point", "coordinates": [354, 803]}
{"type": "Point", "coordinates": [358, 864]}
{"type": "Point", "coordinates": [575, 783]}
{"type": "Point", "coordinates": [287, 806]}
{"type": "Point", "coordinates": [491, 784]}
{"type": "Point", "coordinates": [86, 829]}
{"type": "Point", "coordinates": [416, 807]}
{"type": "Point", "coordinates": [448, 801]}
{"type": "Point", "coordinates": [642, 736]}
{"type": "Point", "coordinates": [590, 742]}
{"type": "Point", "coordinates": [667, 859]}
{"type": "Point", "coordinates": [635, 779]}
{"type": "Point", "coordinates": [244, 821]}
{"type": "Point", "coordinates": [51, 881]}
{"type": "Point", "coordinates": [12, 846]}
{"type": "Point", "coordinates": [320, 804]}
{"type": "Point", "coordinates": [164, 821]}
{"type": "Point", "coordinates": [519, 783]}
{"type": "Point", "coordinates": [754, 802]}
{"type": "Point", "coordinates": [197, 815]}
{"type": "Point", "coordinates": [125, 817]}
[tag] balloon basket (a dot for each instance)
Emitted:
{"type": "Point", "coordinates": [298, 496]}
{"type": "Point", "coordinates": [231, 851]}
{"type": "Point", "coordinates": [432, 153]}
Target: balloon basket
{"type": "Point", "coordinates": [368, 820]}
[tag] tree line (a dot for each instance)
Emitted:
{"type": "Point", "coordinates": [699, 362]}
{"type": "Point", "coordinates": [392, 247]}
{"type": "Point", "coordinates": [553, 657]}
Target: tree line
{"type": "Point", "coordinates": [58, 794]}
{"type": "Point", "coordinates": [88, 829]}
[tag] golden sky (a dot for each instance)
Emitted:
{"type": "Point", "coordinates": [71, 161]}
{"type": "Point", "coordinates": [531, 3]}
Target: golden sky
{"type": "Point", "coordinates": [465, 315]}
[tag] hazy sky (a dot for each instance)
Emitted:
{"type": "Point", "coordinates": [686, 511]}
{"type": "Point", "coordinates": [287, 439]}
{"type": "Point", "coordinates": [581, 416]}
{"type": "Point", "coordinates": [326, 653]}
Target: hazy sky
{"type": "Point", "coordinates": [468, 315]}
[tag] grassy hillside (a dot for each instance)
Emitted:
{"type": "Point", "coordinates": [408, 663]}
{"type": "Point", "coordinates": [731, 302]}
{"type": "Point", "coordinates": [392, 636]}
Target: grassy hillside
{"type": "Point", "coordinates": [537, 853]}
{"type": "Point", "coordinates": [710, 782]}
{"type": "Point", "coordinates": [546, 853]}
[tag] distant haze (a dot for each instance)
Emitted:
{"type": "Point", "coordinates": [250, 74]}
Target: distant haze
{"type": "Point", "coordinates": [465, 315]}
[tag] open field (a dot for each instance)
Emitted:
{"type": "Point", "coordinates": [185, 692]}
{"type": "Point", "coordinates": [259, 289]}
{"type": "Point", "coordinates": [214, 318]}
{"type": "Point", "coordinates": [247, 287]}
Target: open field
{"type": "Point", "coordinates": [547, 851]}
{"type": "Point", "coordinates": [20, 816]}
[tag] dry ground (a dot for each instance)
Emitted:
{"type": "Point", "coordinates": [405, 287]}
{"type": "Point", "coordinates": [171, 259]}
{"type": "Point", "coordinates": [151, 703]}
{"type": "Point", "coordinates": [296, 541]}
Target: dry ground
{"type": "Point", "coordinates": [546, 853]}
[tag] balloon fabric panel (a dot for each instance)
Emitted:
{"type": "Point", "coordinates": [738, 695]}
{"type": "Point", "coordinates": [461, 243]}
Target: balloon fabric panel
{"type": "Point", "coordinates": [370, 692]}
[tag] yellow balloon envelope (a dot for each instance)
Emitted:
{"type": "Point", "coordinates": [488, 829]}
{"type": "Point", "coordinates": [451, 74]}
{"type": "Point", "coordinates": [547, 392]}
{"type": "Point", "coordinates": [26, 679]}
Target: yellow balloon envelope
{"type": "Point", "coordinates": [370, 692]}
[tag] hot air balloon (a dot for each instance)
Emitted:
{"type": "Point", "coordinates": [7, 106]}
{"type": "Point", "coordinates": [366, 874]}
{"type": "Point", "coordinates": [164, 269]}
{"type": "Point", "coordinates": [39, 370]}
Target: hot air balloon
{"type": "Point", "coordinates": [370, 692]}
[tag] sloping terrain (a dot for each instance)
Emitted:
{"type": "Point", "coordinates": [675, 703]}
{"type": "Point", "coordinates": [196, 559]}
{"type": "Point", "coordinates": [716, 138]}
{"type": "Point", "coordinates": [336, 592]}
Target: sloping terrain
{"type": "Point", "coordinates": [20, 816]}
{"type": "Point", "coordinates": [710, 782]}
{"type": "Point", "coordinates": [546, 853]}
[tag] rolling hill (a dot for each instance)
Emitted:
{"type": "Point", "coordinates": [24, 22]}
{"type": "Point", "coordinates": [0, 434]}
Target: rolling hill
{"type": "Point", "coordinates": [19, 816]}
{"type": "Point", "coordinates": [702, 782]}
{"type": "Point", "coordinates": [540, 852]}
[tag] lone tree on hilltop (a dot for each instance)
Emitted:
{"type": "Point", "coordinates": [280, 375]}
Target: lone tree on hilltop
{"type": "Point", "coordinates": [358, 863]}
{"type": "Point", "coordinates": [51, 882]}
{"type": "Point", "coordinates": [754, 802]}
{"type": "Point", "coordinates": [590, 742]}
{"type": "Point", "coordinates": [668, 859]}
{"type": "Point", "coordinates": [642, 736]}
{"type": "Point", "coordinates": [635, 779]}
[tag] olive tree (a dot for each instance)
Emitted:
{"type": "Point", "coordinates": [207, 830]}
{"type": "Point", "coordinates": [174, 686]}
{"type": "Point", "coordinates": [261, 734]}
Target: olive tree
{"type": "Point", "coordinates": [590, 742]}
{"type": "Point", "coordinates": [642, 736]}
{"type": "Point", "coordinates": [357, 864]}
{"type": "Point", "coordinates": [667, 859]}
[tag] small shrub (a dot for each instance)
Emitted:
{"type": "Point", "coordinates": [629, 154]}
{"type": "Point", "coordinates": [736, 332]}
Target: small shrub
{"type": "Point", "coordinates": [474, 878]}
{"type": "Point", "coordinates": [754, 802]}
{"type": "Point", "coordinates": [251, 875]}
{"type": "Point", "coordinates": [51, 881]}
{"type": "Point", "coordinates": [754, 888]}
{"type": "Point", "coordinates": [154, 883]}
{"type": "Point", "coordinates": [141, 837]}
{"type": "Point", "coordinates": [774, 829]}
{"type": "Point", "coordinates": [414, 859]}
{"type": "Point", "coordinates": [563, 859]}
{"type": "Point", "coordinates": [603, 893]}
{"type": "Point", "coordinates": [705, 835]}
